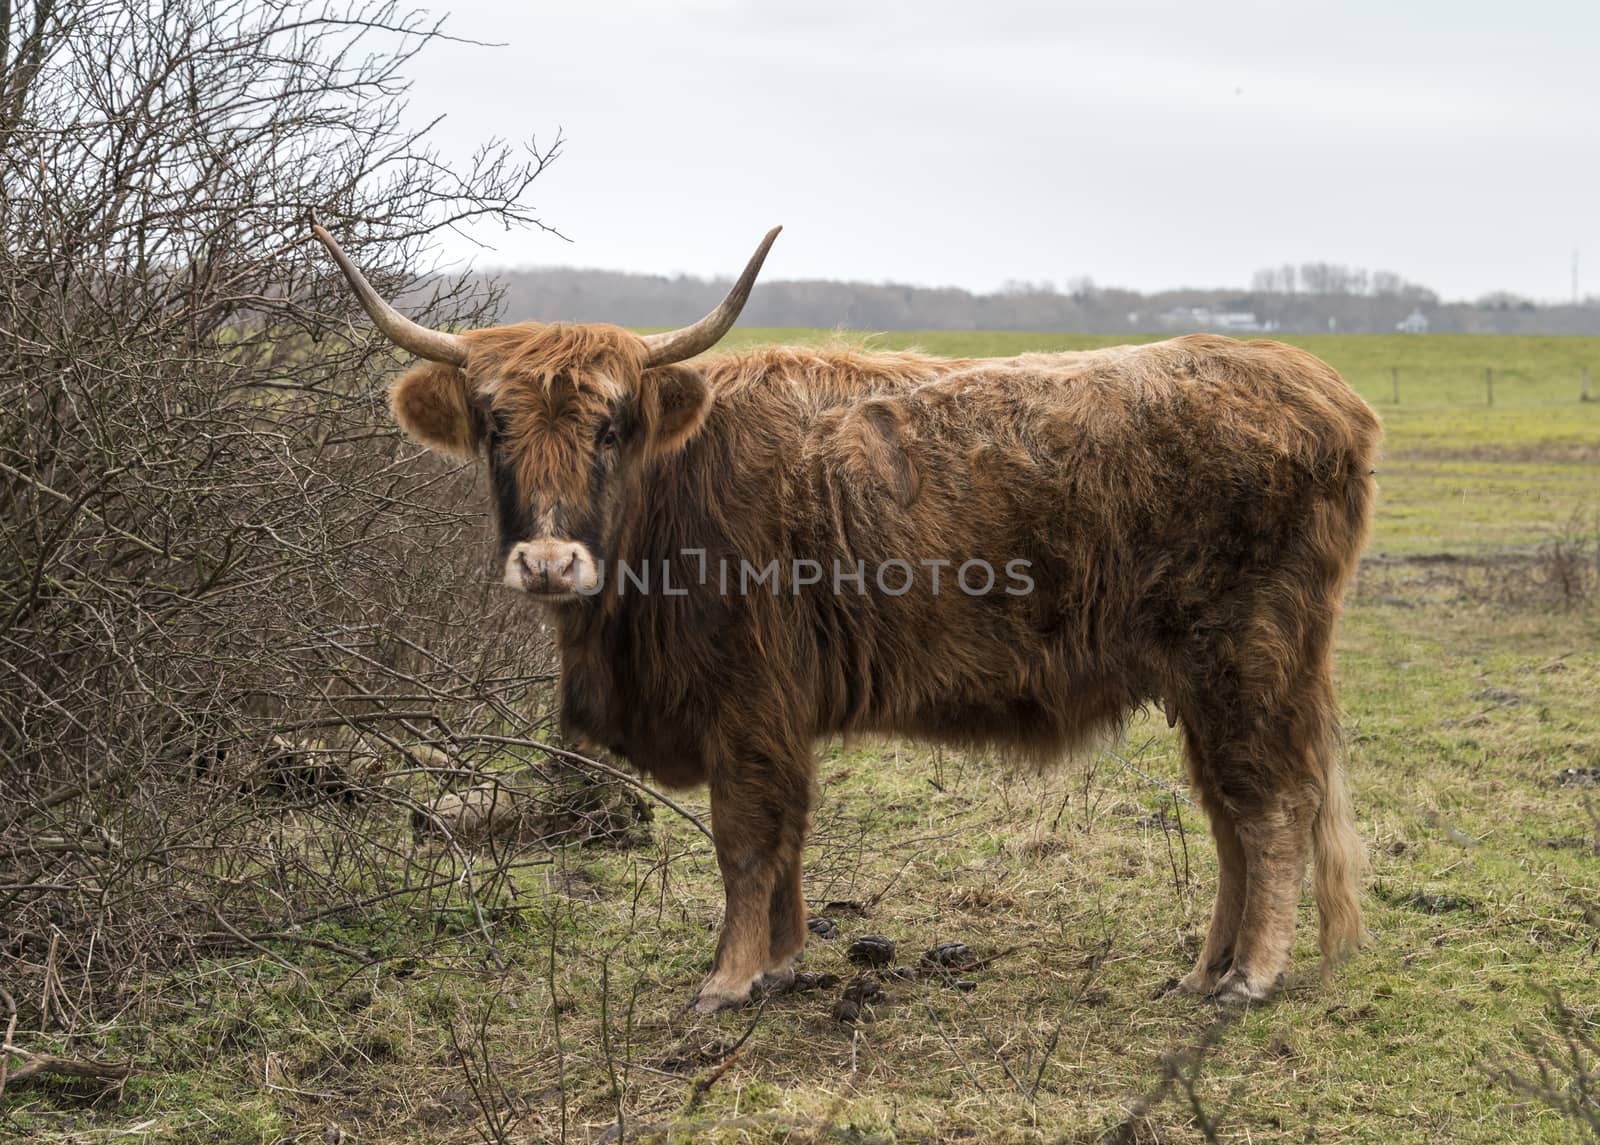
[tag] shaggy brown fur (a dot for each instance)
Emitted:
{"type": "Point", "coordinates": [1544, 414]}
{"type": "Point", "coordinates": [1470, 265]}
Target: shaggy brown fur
{"type": "Point", "coordinates": [1189, 511]}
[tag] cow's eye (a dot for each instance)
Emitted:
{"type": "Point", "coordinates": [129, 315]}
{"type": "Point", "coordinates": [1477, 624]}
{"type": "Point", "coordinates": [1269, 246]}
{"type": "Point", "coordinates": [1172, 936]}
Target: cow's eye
{"type": "Point", "coordinates": [608, 437]}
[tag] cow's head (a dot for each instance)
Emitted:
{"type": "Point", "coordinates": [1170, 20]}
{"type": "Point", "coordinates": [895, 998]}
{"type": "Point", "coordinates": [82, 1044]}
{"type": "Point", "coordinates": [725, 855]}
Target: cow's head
{"type": "Point", "coordinates": [560, 413]}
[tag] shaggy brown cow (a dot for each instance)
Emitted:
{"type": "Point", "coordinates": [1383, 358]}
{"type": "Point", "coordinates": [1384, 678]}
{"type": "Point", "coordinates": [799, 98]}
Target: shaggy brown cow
{"type": "Point", "coordinates": [1015, 553]}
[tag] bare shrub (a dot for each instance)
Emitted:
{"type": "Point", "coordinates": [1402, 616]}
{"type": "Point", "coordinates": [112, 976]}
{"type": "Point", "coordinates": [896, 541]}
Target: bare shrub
{"type": "Point", "coordinates": [1563, 572]}
{"type": "Point", "coordinates": [1567, 571]}
{"type": "Point", "coordinates": [236, 647]}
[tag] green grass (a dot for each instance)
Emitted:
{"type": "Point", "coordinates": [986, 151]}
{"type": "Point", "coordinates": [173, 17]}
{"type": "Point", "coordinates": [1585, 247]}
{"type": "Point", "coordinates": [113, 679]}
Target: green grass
{"type": "Point", "coordinates": [1466, 688]}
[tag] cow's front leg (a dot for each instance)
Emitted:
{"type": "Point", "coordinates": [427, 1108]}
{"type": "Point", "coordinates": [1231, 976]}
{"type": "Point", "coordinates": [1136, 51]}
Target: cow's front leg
{"type": "Point", "coordinates": [758, 817]}
{"type": "Point", "coordinates": [786, 929]}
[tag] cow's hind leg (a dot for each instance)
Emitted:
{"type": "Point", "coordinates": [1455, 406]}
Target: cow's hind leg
{"type": "Point", "coordinates": [1275, 834]}
{"type": "Point", "coordinates": [1293, 802]}
{"type": "Point", "coordinates": [1216, 954]}
{"type": "Point", "coordinates": [1262, 787]}
{"type": "Point", "coordinates": [759, 811]}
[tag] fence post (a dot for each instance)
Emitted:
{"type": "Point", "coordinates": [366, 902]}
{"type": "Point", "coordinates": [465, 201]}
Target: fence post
{"type": "Point", "coordinates": [1394, 382]}
{"type": "Point", "coordinates": [1488, 382]}
{"type": "Point", "coordinates": [1585, 396]}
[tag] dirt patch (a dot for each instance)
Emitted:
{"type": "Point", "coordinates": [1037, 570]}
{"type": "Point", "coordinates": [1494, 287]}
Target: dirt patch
{"type": "Point", "coordinates": [576, 883]}
{"type": "Point", "coordinates": [1497, 697]}
{"type": "Point", "coordinates": [1426, 903]}
{"type": "Point", "coordinates": [1526, 453]}
{"type": "Point", "coordinates": [1563, 572]}
{"type": "Point", "coordinates": [1571, 843]}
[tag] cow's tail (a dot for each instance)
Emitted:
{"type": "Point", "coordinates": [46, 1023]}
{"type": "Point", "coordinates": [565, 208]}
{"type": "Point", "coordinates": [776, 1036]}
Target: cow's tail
{"type": "Point", "coordinates": [1339, 857]}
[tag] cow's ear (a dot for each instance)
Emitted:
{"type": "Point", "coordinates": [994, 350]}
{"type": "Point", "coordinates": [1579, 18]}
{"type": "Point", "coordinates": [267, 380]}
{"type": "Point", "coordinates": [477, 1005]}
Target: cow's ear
{"type": "Point", "coordinates": [675, 401]}
{"type": "Point", "coordinates": [431, 403]}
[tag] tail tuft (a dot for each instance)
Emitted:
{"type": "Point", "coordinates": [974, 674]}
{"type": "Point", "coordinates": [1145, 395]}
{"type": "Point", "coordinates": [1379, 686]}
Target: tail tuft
{"type": "Point", "coordinates": [1340, 861]}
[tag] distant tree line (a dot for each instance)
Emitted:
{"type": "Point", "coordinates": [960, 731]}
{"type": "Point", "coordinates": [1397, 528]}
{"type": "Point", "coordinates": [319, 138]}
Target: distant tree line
{"type": "Point", "coordinates": [1308, 298]}
{"type": "Point", "coordinates": [1332, 278]}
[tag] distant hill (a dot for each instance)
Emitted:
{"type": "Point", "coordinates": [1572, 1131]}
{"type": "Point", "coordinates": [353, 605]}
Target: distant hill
{"type": "Point", "coordinates": [654, 300]}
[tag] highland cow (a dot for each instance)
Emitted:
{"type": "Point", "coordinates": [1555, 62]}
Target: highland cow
{"type": "Point", "coordinates": [744, 552]}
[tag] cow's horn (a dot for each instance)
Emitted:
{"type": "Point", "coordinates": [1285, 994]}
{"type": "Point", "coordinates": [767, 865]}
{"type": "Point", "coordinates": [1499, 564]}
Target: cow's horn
{"type": "Point", "coordinates": [676, 345]}
{"type": "Point", "coordinates": [434, 345]}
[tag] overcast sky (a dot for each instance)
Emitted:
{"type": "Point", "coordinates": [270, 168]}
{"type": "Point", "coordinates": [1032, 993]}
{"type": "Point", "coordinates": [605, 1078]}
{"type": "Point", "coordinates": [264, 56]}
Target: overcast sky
{"type": "Point", "coordinates": [1150, 145]}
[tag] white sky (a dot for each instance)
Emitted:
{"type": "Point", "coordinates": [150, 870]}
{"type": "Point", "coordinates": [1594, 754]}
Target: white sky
{"type": "Point", "coordinates": [1153, 144]}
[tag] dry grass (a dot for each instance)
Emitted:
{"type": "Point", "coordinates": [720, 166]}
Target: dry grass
{"type": "Point", "coordinates": [1462, 714]}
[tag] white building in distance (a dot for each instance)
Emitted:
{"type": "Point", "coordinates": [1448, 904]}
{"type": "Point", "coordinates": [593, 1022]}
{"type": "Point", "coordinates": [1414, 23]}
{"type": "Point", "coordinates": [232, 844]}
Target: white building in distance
{"type": "Point", "coordinates": [1414, 323]}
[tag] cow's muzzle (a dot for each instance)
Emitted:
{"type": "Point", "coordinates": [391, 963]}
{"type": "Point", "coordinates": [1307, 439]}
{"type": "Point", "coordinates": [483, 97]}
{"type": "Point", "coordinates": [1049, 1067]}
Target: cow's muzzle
{"type": "Point", "coordinates": [551, 570]}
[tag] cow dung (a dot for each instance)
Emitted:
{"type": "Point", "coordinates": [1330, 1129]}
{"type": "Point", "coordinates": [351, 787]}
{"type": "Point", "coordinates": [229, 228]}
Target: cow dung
{"type": "Point", "coordinates": [871, 950]}
{"type": "Point", "coordinates": [823, 927]}
{"type": "Point", "coordinates": [860, 992]}
{"type": "Point", "coordinates": [951, 955]}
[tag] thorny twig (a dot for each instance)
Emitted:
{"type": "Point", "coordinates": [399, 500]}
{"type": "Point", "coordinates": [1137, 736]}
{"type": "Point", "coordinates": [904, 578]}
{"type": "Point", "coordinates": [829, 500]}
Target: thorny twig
{"type": "Point", "coordinates": [1055, 1037]}
{"type": "Point", "coordinates": [1153, 780]}
{"type": "Point", "coordinates": [1180, 1068]}
{"type": "Point", "coordinates": [1566, 1068]}
{"type": "Point", "coordinates": [703, 1083]}
{"type": "Point", "coordinates": [593, 765]}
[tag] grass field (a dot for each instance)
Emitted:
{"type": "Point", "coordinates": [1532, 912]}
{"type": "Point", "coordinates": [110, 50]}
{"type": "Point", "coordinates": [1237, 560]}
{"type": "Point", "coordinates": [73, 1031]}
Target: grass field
{"type": "Point", "coordinates": [1470, 679]}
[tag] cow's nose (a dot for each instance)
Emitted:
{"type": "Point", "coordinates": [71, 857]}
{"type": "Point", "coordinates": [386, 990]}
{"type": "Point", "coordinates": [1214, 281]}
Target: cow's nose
{"type": "Point", "coordinates": [533, 571]}
{"type": "Point", "coordinates": [547, 567]}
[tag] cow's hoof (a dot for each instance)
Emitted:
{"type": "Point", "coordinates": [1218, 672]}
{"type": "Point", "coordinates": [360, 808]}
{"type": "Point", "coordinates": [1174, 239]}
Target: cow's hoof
{"type": "Point", "coordinates": [709, 1002]}
{"type": "Point", "coordinates": [1198, 983]}
{"type": "Point", "coordinates": [1236, 989]}
{"type": "Point", "coordinates": [720, 993]}
{"type": "Point", "coordinates": [778, 980]}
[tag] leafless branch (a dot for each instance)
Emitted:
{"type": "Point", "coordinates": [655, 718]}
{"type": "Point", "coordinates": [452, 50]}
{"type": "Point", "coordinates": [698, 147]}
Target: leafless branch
{"type": "Point", "coordinates": [234, 635]}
